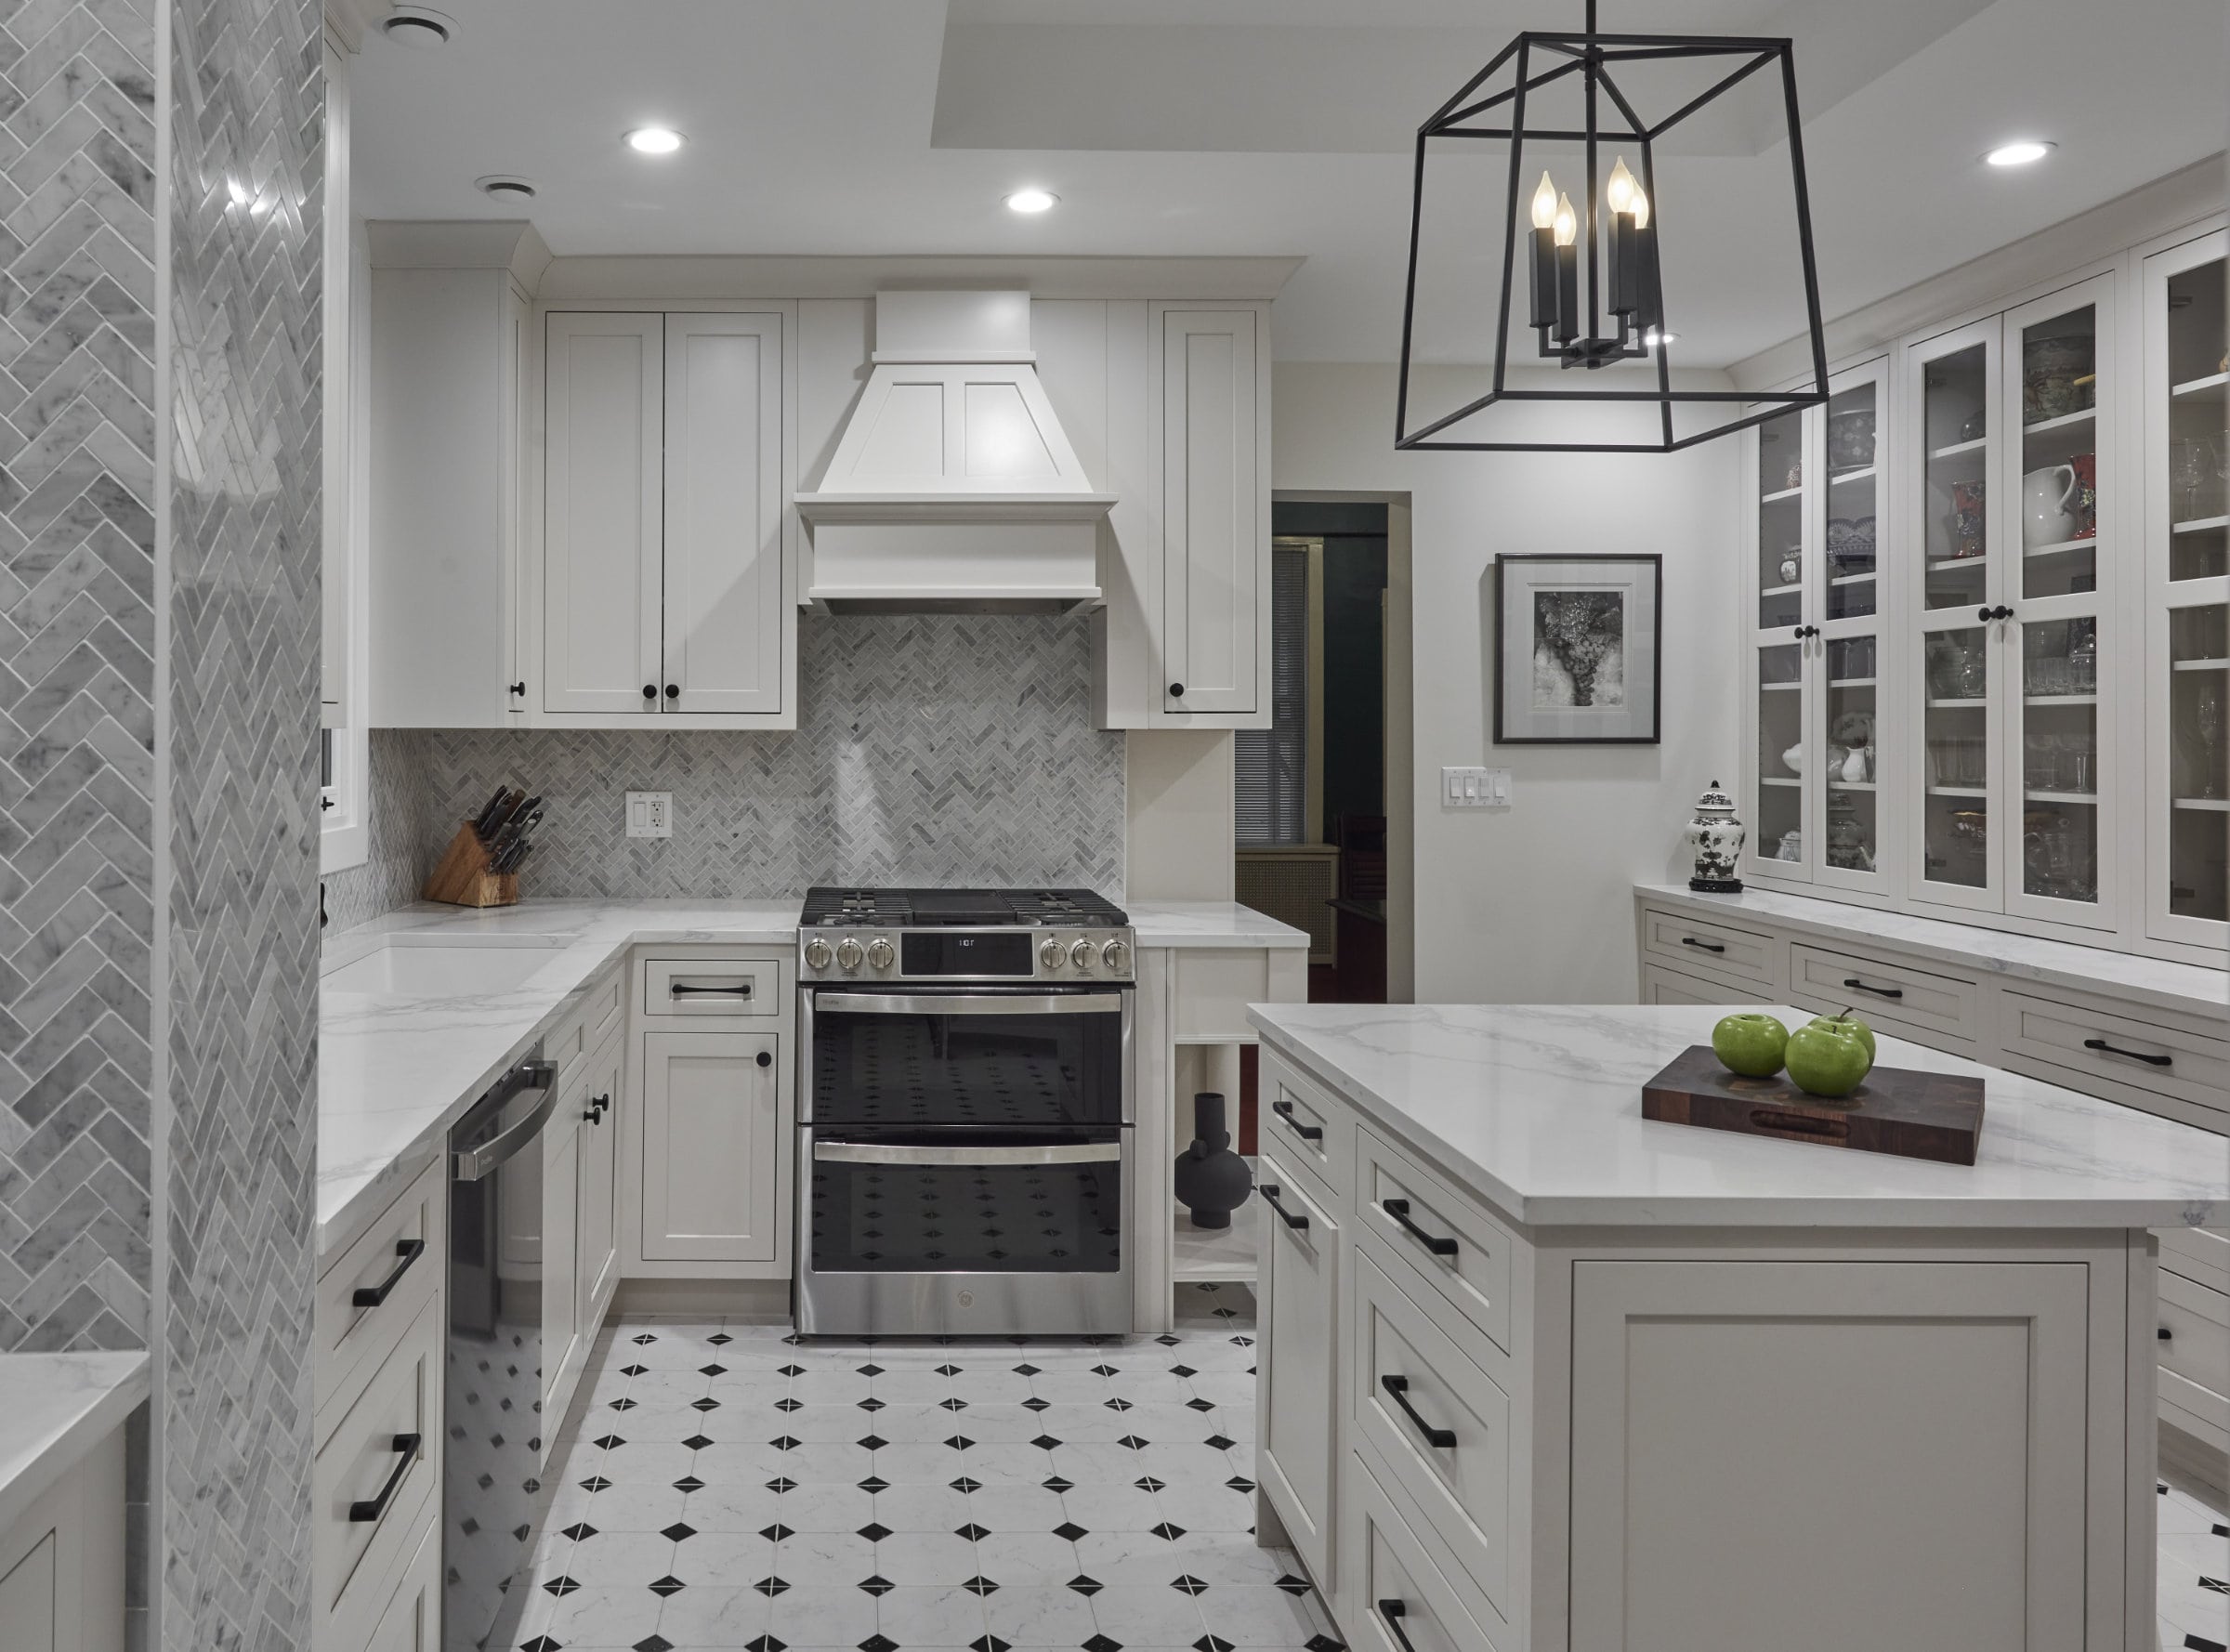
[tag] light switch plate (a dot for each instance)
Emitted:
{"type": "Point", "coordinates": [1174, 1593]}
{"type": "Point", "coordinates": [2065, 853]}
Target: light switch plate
{"type": "Point", "coordinates": [1474, 788]}
{"type": "Point", "coordinates": [650, 814]}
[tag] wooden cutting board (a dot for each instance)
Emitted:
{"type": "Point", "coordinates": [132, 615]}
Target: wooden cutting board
{"type": "Point", "coordinates": [1898, 1110]}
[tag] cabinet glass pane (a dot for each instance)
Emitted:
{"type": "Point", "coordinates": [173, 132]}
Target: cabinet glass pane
{"type": "Point", "coordinates": [1779, 807]}
{"type": "Point", "coordinates": [1852, 494]}
{"type": "Point", "coordinates": [2198, 763]}
{"type": "Point", "coordinates": [2199, 447]}
{"type": "Point", "coordinates": [2059, 455]}
{"type": "Point", "coordinates": [1956, 672]}
{"type": "Point", "coordinates": [2060, 759]}
{"type": "Point", "coordinates": [1781, 521]}
{"type": "Point", "coordinates": [1854, 759]}
{"type": "Point", "coordinates": [1955, 440]}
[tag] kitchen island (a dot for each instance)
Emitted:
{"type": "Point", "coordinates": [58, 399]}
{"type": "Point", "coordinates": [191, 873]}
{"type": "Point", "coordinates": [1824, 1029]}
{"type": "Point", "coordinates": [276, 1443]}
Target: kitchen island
{"type": "Point", "coordinates": [1540, 1373]}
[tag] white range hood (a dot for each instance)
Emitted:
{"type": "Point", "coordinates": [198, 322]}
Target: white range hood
{"type": "Point", "coordinates": [953, 487]}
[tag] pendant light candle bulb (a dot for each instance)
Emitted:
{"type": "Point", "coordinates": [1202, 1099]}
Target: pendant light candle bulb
{"type": "Point", "coordinates": [1567, 223]}
{"type": "Point", "coordinates": [1544, 203]}
{"type": "Point", "coordinates": [1621, 191]}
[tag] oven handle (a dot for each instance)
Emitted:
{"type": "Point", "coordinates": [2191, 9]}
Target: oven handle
{"type": "Point", "coordinates": [871, 1153]}
{"type": "Point", "coordinates": [970, 1004]}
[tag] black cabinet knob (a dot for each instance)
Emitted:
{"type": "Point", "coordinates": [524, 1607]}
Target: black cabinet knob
{"type": "Point", "coordinates": [673, 690]}
{"type": "Point", "coordinates": [649, 691]}
{"type": "Point", "coordinates": [766, 1059]}
{"type": "Point", "coordinates": [519, 690]}
{"type": "Point", "coordinates": [1983, 613]}
{"type": "Point", "coordinates": [2003, 612]}
{"type": "Point", "coordinates": [1177, 690]}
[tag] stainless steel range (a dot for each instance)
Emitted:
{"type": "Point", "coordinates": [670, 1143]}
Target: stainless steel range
{"type": "Point", "coordinates": [965, 1113]}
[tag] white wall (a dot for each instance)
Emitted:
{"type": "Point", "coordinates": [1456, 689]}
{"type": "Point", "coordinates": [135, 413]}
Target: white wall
{"type": "Point", "coordinates": [1534, 904]}
{"type": "Point", "coordinates": [1178, 811]}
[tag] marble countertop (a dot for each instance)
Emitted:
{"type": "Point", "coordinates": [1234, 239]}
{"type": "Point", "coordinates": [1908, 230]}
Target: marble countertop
{"type": "Point", "coordinates": [1538, 1109]}
{"type": "Point", "coordinates": [2189, 988]}
{"type": "Point", "coordinates": [396, 1071]}
{"type": "Point", "coordinates": [55, 1408]}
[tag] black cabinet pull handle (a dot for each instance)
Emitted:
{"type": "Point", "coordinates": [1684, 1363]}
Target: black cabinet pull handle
{"type": "Point", "coordinates": [1270, 1197]}
{"type": "Point", "coordinates": [1438, 1244]}
{"type": "Point", "coordinates": [679, 991]}
{"type": "Point", "coordinates": [1394, 1611]}
{"type": "Point", "coordinates": [673, 690]}
{"type": "Point", "coordinates": [766, 1058]}
{"type": "Point", "coordinates": [2166, 1335]}
{"type": "Point", "coordinates": [1307, 1133]}
{"type": "Point", "coordinates": [2100, 1044]}
{"type": "Point", "coordinates": [597, 1109]}
{"type": "Point", "coordinates": [1701, 946]}
{"type": "Point", "coordinates": [1443, 1439]}
{"type": "Point", "coordinates": [370, 1296]}
{"type": "Point", "coordinates": [1855, 985]}
{"type": "Point", "coordinates": [1177, 690]}
{"type": "Point", "coordinates": [520, 688]}
{"type": "Point", "coordinates": [649, 691]}
{"type": "Point", "coordinates": [406, 1452]}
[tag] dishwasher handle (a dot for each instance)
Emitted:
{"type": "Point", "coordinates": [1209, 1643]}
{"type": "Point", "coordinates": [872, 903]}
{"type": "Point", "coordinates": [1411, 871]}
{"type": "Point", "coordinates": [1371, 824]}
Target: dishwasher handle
{"type": "Point", "coordinates": [474, 1164]}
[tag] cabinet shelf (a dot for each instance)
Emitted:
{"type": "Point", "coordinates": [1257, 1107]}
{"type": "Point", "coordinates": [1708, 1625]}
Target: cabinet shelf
{"type": "Point", "coordinates": [2086, 799]}
{"type": "Point", "coordinates": [2059, 699]}
{"type": "Point", "coordinates": [1937, 564]}
{"type": "Point", "coordinates": [2201, 525]}
{"type": "Point", "coordinates": [1959, 792]}
{"type": "Point", "coordinates": [1225, 1255]}
{"type": "Point", "coordinates": [2201, 665]}
{"type": "Point", "coordinates": [1779, 687]}
{"type": "Point", "coordinates": [1957, 705]}
{"type": "Point", "coordinates": [1851, 785]}
{"type": "Point", "coordinates": [1780, 590]}
{"type": "Point", "coordinates": [1780, 493]}
{"type": "Point", "coordinates": [2220, 806]}
{"type": "Point", "coordinates": [2061, 547]}
{"type": "Point", "coordinates": [1852, 681]}
{"type": "Point", "coordinates": [2192, 388]}
{"type": "Point", "coordinates": [1958, 450]}
{"type": "Point", "coordinates": [1778, 780]}
{"type": "Point", "coordinates": [1864, 474]}
{"type": "Point", "coordinates": [1852, 578]}
{"type": "Point", "coordinates": [2089, 415]}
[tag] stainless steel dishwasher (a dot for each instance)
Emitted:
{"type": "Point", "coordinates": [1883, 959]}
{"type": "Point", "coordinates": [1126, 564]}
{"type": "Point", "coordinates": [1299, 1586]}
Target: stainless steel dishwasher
{"type": "Point", "coordinates": [492, 1501]}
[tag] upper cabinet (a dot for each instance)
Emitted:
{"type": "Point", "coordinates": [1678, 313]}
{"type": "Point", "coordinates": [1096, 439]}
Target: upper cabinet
{"type": "Point", "coordinates": [665, 583]}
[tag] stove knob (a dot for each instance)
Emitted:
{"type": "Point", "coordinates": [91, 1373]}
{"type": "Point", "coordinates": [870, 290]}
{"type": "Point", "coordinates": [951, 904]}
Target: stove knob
{"type": "Point", "coordinates": [1080, 955]}
{"type": "Point", "coordinates": [817, 953]}
{"type": "Point", "coordinates": [848, 955]}
{"type": "Point", "coordinates": [1116, 956]}
{"type": "Point", "coordinates": [1050, 955]}
{"type": "Point", "coordinates": [879, 953]}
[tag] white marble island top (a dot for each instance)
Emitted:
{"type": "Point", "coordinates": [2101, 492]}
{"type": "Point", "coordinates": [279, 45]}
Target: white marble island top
{"type": "Point", "coordinates": [1538, 1109]}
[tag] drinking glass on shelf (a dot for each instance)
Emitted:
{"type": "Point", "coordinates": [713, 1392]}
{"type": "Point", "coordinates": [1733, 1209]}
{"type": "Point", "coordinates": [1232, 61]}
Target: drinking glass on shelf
{"type": "Point", "coordinates": [2190, 464]}
{"type": "Point", "coordinates": [2082, 658]}
{"type": "Point", "coordinates": [1973, 679]}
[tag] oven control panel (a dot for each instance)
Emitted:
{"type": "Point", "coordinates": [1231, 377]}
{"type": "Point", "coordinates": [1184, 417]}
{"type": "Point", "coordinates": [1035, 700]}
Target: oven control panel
{"type": "Point", "coordinates": [1021, 955]}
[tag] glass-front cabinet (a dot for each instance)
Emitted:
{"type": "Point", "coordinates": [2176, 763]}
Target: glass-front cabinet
{"type": "Point", "coordinates": [2017, 523]}
{"type": "Point", "coordinates": [1815, 805]}
{"type": "Point", "coordinates": [2186, 517]}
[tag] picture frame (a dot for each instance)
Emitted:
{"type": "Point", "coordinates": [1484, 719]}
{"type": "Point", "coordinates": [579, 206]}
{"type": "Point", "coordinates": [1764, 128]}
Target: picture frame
{"type": "Point", "coordinates": [1579, 650]}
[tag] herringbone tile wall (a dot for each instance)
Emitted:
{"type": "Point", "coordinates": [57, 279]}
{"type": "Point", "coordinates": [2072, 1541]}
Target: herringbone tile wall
{"type": "Point", "coordinates": [77, 639]}
{"type": "Point", "coordinates": [934, 749]}
{"type": "Point", "coordinates": [233, 1382]}
{"type": "Point", "coordinates": [401, 792]}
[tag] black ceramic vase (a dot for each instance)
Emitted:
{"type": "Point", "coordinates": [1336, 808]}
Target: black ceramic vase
{"type": "Point", "coordinates": [1211, 1180]}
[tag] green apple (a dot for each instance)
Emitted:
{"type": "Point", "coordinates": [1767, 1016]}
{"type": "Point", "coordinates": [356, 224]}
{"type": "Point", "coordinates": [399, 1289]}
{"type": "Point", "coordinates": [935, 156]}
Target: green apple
{"type": "Point", "coordinates": [1857, 1028]}
{"type": "Point", "coordinates": [1750, 1044]}
{"type": "Point", "coordinates": [1830, 1056]}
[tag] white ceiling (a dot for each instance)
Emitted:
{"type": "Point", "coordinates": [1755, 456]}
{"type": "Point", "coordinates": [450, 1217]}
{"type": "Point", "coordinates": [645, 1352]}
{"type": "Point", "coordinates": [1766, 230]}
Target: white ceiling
{"type": "Point", "coordinates": [1264, 126]}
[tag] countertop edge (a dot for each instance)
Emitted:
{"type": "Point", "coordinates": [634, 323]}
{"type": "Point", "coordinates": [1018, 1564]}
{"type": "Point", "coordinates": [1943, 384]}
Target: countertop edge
{"type": "Point", "coordinates": [56, 1454]}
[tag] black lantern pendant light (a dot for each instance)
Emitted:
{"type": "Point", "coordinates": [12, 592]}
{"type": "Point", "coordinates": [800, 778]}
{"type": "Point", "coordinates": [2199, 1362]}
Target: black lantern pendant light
{"type": "Point", "coordinates": [1616, 317]}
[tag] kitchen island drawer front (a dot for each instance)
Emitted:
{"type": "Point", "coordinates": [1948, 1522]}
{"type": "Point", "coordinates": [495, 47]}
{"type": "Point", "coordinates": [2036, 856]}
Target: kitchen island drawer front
{"type": "Point", "coordinates": [373, 1291]}
{"type": "Point", "coordinates": [2199, 1254]}
{"type": "Point", "coordinates": [591, 1021]}
{"type": "Point", "coordinates": [2196, 1323]}
{"type": "Point", "coordinates": [1677, 939]}
{"type": "Point", "coordinates": [1437, 1423]}
{"type": "Point", "coordinates": [1661, 985]}
{"type": "Point", "coordinates": [2096, 1043]}
{"type": "Point", "coordinates": [1308, 1125]}
{"type": "Point", "coordinates": [1400, 1598]}
{"type": "Point", "coordinates": [372, 1490]}
{"type": "Point", "coordinates": [1454, 1247]}
{"type": "Point", "coordinates": [411, 1621]}
{"type": "Point", "coordinates": [1296, 1399]}
{"type": "Point", "coordinates": [1938, 1010]}
{"type": "Point", "coordinates": [711, 987]}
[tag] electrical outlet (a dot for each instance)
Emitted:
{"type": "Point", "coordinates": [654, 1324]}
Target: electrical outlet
{"type": "Point", "coordinates": [650, 814]}
{"type": "Point", "coordinates": [1474, 788]}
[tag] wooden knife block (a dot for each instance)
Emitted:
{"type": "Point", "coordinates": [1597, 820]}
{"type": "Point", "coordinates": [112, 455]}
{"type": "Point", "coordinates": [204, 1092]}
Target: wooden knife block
{"type": "Point", "coordinates": [461, 878]}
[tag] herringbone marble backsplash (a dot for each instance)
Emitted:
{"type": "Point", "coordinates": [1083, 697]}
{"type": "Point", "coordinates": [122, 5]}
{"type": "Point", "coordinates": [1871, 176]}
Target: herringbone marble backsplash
{"type": "Point", "coordinates": [934, 749]}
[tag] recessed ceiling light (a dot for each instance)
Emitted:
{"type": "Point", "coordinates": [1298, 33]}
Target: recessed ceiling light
{"type": "Point", "coordinates": [1032, 200]}
{"type": "Point", "coordinates": [418, 28]}
{"type": "Point", "coordinates": [504, 188]}
{"type": "Point", "coordinates": [654, 141]}
{"type": "Point", "coordinates": [2022, 152]}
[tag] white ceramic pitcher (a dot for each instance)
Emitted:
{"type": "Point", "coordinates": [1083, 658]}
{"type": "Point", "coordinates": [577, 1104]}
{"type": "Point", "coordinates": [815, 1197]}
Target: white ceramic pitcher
{"type": "Point", "coordinates": [2046, 498]}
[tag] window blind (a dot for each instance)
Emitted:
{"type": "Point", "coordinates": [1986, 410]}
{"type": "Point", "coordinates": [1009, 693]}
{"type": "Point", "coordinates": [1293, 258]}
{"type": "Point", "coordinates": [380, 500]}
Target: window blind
{"type": "Point", "coordinates": [1270, 765]}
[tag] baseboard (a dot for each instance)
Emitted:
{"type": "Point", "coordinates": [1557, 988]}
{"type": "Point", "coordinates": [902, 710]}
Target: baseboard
{"type": "Point", "coordinates": [765, 1300]}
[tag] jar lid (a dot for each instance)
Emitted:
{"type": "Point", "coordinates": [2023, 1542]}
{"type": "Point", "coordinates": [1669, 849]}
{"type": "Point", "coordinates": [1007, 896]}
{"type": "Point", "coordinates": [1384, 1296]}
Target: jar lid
{"type": "Point", "coordinates": [1714, 801]}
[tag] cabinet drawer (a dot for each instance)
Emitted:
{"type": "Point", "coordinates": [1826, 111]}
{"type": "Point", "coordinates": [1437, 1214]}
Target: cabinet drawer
{"type": "Point", "coordinates": [2199, 1253]}
{"type": "Point", "coordinates": [590, 1021]}
{"type": "Point", "coordinates": [368, 1297]}
{"type": "Point", "coordinates": [1719, 947]}
{"type": "Point", "coordinates": [1211, 990]}
{"type": "Point", "coordinates": [1308, 1125]}
{"type": "Point", "coordinates": [2103, 1044]}
{"type": "Point", "coordinates": [355, 1563]}
{"type": "Point", "coordinates": [1296, 1419]}
{"type": "Point", "coordinates": [1673, 986]}
{"type": "Point", "coordinates": [1400, 1598]}
{"type": "Point", "coordinates": [710, 987]}
{"type": "Point", "coordinates": [1454, 1248]}
{"type": "Point", "coordinates": [1930, 1009]}
{"type": "Point", "coordinates": [1439, 1425]}
{"type": "Point", "coordinates": [2197, 1320]}
{"type": "Point", "coordinates": [411, 1621]}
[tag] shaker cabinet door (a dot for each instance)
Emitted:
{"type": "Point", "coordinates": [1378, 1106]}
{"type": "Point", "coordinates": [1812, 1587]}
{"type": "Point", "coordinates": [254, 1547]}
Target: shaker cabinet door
{"type": "Point", "coordinates": [712, 1148]}
{"type": "Point", "coordinates": [1298, 1425]}
{"type": "Point", "coordinates": [597, 1238]}
{"type": "Point", "coordinates": [1215, 521]}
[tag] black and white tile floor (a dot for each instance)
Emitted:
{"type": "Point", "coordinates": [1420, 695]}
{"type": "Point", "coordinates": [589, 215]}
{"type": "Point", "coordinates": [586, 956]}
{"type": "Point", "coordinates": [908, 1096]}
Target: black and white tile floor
{"type": "Point", "coordinates": [2195, 1573]}
{"type": "Point", "coordinates": [731, 1488]}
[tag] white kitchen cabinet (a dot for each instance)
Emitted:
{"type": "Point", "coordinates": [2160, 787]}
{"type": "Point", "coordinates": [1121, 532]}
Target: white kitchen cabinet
{"type": "Point", "coordinates": [1298, 1390]}
{"type": "Point", "coordinates": [715, 1134]}
{"type": "Point", "coordinates": [665, 574]}
{"type": "Point", "coordinates": [448, 338]}
{"type": "Point", "coordinates": [62, 1563]}
{"type": "Point", "coordinates": [597, 1225]}
{"type": "Point", "coordinates": [413, 1620]}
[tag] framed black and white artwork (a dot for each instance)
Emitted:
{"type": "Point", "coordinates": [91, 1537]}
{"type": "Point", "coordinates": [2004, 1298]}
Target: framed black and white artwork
{"type": "Point", "coordinates": [1578, 654]}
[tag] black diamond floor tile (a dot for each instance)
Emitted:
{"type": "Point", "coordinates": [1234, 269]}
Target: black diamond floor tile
{"type": "Point", "coordinates": [669, 1584]}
